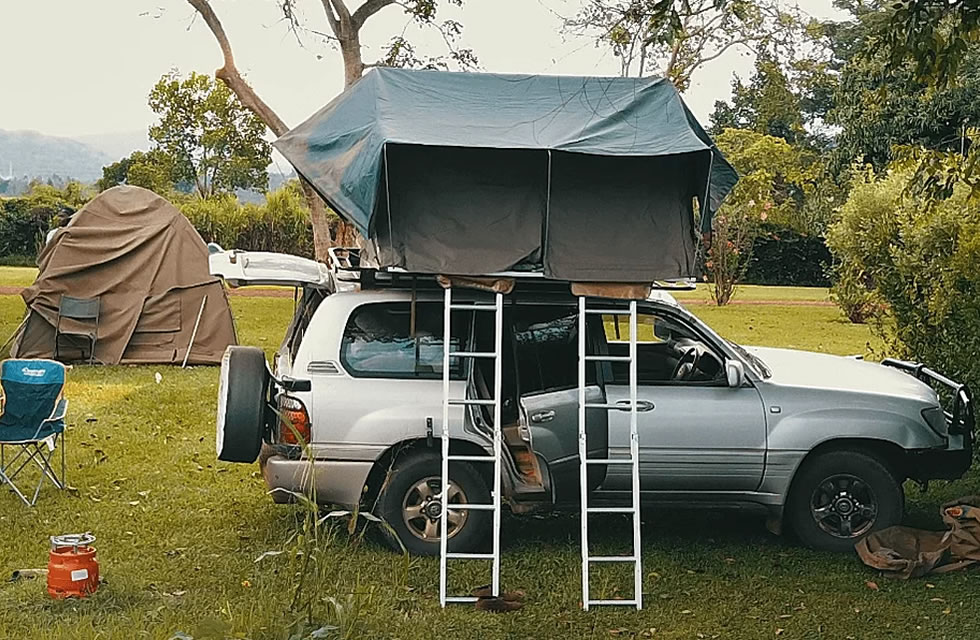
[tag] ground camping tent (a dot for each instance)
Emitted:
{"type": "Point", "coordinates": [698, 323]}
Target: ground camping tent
{"type": "Point", "coordinates": [149, 268]}
{"type": "Point", "coordinates": [587, 179]}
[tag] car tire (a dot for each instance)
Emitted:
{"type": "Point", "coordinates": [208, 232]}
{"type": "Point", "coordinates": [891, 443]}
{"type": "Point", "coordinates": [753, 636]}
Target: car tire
{"type": "Point", "coordinates": [840, 497]}
{"type": "Point", "coordinates": [412, 477]}
{"type": "Point", "coordinates": [243, 393]}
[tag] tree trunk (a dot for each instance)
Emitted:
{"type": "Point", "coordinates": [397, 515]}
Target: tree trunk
{"type": "Point", "coordinates": [350, 49]}
{"type": "Point", "coordinates": [322, 240]}
{"type": "Point", "coordinates": [233, 79]}
{"type": "Point", "coordinates": [345, 235]}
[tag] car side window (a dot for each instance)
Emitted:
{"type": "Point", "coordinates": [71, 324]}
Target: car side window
{"type": "Point", "coordinates": [546, 349]}
{"type": "Point", "coordinates": [668, 352]}
{"type": "Point", "coordinates": [379, 341]}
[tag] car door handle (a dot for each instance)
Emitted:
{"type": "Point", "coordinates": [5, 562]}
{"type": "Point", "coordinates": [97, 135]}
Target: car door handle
{"type": "Point", "coordinates": [641, 405]}
{"type": "Point", "coordinates": [543, 416]}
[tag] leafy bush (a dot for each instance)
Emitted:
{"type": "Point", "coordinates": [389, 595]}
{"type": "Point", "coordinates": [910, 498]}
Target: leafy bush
{"type": "Point", "coordinates": [26, 220]}
{"type": "Point", "coordinates": [784, 256]}
{"type": "Point", "coordinates": [919, 260]}
{"type": "Point", "coordinates": [282, 224]}
{"type": "Point", "coordinates": [773, 181]}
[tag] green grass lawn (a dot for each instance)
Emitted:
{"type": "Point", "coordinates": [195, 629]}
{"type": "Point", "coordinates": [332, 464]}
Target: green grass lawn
{"type": "Point", "coordinates": [756, 293]}
{"type": "Point", "coordinates": [179, 535]}
{"type": "Point", "coordinates": [17, 276]}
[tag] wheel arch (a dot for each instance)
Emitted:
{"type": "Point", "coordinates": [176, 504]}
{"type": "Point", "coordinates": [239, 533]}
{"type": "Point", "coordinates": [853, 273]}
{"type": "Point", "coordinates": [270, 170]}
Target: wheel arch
{"type": "Point", "coordinates": [384, 464]}
{"type": "Point", "coordinates": [891, 455]}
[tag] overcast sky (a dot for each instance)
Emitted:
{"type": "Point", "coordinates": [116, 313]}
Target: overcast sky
{"type": "Point", "coordinates": [72, 67]}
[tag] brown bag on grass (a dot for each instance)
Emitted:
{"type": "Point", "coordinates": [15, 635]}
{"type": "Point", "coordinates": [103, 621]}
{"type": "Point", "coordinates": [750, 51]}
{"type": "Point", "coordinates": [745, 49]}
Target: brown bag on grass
{"type": "Point", "coordinates": [903, 552]}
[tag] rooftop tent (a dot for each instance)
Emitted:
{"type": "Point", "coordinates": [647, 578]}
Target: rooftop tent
{"type": "Point", "coordinates": [149, 268]}
{"type": "Point", "coordinates": [589, 179]}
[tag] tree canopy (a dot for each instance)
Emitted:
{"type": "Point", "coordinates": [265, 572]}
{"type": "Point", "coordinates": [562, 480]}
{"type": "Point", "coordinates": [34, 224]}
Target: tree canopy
{"type": "Point", "coordinates": [677, 37]}
{"type": "Point", "coordinates": [213, 142]}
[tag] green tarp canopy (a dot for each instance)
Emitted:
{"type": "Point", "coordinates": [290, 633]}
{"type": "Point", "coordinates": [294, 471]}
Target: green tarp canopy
{"type": "Point", "coordinates": [587, 179]}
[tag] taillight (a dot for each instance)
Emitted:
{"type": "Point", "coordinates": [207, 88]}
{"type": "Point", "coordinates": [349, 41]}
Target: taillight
{"type": "Point", "coordinates": [294, 421]}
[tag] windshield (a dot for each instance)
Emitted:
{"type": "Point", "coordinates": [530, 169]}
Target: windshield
{"type": "Point", "coordinates": [755, 361]}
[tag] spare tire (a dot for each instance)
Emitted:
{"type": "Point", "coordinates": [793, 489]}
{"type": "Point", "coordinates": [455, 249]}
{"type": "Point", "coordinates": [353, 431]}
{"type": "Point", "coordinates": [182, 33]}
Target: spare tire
{"type": "Point", "coordinates": [243, 393]}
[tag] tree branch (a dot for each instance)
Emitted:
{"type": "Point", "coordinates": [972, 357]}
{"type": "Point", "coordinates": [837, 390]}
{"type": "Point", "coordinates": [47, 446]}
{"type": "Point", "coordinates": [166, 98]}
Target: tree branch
{"type": "Point", "coordinates": [332, 17]}
{"type": "Point", "coordinates": [368, 9]}
{"type": "Point", "coordinates": [229, 72]}
{"type": "Point", "coordinates": [338, 11]}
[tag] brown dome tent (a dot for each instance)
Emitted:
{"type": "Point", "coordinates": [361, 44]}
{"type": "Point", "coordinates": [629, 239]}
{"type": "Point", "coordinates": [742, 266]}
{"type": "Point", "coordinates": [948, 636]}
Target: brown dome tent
{"type": "Point", "coordinates": [148, 267]}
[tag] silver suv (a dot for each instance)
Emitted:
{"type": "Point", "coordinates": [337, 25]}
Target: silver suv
{"type": "Point", "coordinates": [820, 443]}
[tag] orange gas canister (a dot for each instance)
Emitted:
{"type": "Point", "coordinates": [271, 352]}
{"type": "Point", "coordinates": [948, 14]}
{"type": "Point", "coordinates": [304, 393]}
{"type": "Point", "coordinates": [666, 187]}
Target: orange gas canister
{"type": "Point", "coordinates": [72, 569]}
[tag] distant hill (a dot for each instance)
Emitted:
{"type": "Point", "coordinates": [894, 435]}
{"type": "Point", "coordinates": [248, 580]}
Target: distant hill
{"type": "Point", "coordinates": [117, 145]}
{"type": "Point", "coordinates": [32, 154]}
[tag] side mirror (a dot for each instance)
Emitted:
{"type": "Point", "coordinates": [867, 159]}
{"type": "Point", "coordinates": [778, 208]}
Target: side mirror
{"type": "Point", "coordinates": [735, 373]}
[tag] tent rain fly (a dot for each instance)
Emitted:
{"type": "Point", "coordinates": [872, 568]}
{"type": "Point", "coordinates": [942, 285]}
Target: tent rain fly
{"type": "Point", "coordinates": [587, 179]}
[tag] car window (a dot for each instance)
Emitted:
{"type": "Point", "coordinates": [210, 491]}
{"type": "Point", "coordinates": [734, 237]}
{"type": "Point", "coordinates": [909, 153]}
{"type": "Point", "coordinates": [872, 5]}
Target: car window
{"type": "Point", "coordinates": [662, 345]}
{"type": "Point", "coordinates": [546, 349]}
{"type": "Point", "coordinates": [379, 342]}
{"type": "Point", "coordinates": [649, 328]}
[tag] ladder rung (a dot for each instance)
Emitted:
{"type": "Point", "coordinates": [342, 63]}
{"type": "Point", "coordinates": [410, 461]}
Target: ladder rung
{"type": "Point", "coordinates": [612, 559]}
{"type": "Point", "coordinates": [472, 354]}
{"type": "Point", "coordinates": [469, 506]}
{"type": "Point", "coordinates": [608, 312]}
{"type": "Point", "coordinates": [453, 458]}
{"type": "Point", "coordinates": [608, 461]}
{"type": "Point", "coordinates": [607, 358]}
{"type": "Point", "coordinates": [611, 510]}
{"type": "Point", "coordinates": [631, 603]}
{"type": "Point", "coordinates": [461, 599]}
{"type": "Point", "coordinates": [471, 401]}
{"type": "Point", "coordinates": [473, 307]}
{"type": "Point", "coordinates": [470, 556]}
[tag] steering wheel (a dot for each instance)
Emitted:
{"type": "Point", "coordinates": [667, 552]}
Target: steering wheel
{"type": "Point", "coordinates": [690, 356]}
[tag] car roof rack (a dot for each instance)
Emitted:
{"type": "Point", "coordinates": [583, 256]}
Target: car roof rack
{"type": "Point", "coordinates": [345, 265]}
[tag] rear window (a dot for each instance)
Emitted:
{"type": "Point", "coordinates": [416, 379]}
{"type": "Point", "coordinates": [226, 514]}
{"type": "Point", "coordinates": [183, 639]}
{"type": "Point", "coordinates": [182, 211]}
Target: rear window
{"type": "Point", "coordinates": [379, 341]}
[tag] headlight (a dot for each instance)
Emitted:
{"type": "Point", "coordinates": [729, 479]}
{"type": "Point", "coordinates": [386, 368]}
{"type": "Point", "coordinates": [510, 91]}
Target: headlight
{"type": "Point", "coordinates": [936, 419]}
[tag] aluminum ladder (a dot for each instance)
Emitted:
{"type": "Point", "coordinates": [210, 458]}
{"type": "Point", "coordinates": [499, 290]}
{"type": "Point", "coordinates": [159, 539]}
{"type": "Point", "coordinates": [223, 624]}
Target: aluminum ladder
{"type": "Point", "coordinates": [633, 460]}
{"type": "Point", "coordinates": [447, 401]}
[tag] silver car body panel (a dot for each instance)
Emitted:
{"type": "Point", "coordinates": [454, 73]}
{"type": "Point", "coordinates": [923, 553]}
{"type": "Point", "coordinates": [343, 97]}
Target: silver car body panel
{"type": "Point", "coordinates": [358, 418]}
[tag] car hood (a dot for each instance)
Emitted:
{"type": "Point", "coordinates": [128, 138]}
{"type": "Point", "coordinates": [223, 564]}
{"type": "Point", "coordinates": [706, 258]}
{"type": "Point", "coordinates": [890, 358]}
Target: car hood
{"type": "Point", "coordinates": [839, 373]}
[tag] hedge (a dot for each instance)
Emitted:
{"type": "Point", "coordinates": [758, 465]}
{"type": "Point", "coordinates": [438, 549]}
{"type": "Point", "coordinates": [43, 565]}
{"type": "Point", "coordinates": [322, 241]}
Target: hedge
{"type": "Point", "coordinates": [782, 256]}
{"type": "Point", "coordinates": [281, 223]}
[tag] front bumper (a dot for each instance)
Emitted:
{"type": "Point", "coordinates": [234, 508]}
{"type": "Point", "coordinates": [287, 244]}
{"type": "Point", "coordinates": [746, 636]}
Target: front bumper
{"type": "Point", "coordinates": [952, 462]}
{"type": "Point", "coordinates": [336, 482]}
{"type": "Point", "coordinates": [939, 464]}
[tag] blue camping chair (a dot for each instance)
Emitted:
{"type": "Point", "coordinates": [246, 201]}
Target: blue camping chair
{"type": "Point", "coordinates": [33, 420]}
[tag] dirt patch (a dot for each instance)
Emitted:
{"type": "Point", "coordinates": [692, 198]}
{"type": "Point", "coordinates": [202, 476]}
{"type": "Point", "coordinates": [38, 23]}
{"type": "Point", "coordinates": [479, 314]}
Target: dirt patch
{"type": "Point", "coordinates": [767, 303]}
{"type": "Point", "coordinates": [251, 292]}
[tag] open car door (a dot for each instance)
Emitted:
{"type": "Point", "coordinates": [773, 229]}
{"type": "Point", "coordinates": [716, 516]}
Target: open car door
{"type": "Point", "coordinates": [544, 340]}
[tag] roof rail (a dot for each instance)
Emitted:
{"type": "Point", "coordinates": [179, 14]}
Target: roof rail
{"type": "Point", "coordinates": [345, 265]}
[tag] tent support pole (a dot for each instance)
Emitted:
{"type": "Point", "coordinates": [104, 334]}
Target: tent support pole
{"type": "Point", "coordinates": [197, 323]}
{"type": "Point", "coordinates": [14, 334]}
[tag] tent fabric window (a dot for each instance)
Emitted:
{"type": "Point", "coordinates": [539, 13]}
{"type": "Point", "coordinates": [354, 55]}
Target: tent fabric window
{"type": "Point", "coordinates": [161, 314]}
{"type": "Point", "coordinates": [450, 208]}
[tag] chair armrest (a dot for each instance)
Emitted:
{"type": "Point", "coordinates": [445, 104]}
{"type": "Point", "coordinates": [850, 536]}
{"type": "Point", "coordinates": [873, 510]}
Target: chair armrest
{"type": "Point", "coordinates": [60, 410]}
